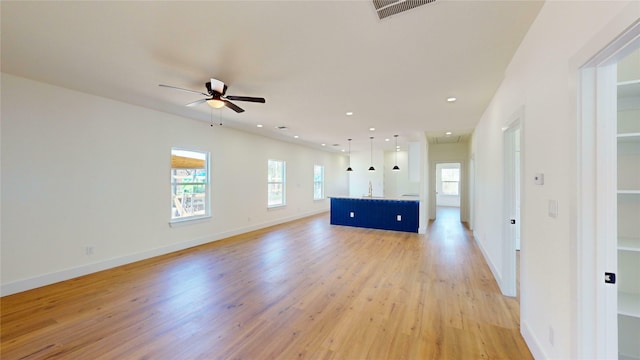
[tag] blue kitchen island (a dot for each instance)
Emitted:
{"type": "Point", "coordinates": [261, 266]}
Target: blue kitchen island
{"type": "Point", "coordinates": [376, 213]}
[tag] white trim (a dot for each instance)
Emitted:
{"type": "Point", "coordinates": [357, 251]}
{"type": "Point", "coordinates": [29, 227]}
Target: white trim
{"type": "Point", "coordinates": [487, 258]}
{"type": "Point", "coordinates": [62, 275]}
{"type": "Point", "coordinates": [283, 183]}
{"type": "Point", "coordinates": [462, 187]}
{"type": "Point", "coordinates": [189, 220]}
{"type": "Point", "coordinates": [207, 184]}
{"type": "Point", "coordinates": [533, 342]}
{"type": "Point", "coordinates": [586, 309]}
{"type": "Point", "coordinates": [594, 338]}
{"type": "Point", "coordinates": [515, 122]}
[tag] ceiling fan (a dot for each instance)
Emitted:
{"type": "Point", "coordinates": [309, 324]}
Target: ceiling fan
{"type": "Point", "coordinates": [216, 97]}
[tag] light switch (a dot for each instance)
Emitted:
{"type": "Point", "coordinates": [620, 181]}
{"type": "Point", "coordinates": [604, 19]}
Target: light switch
{"type": "Point", "coordinates": [553, 208]}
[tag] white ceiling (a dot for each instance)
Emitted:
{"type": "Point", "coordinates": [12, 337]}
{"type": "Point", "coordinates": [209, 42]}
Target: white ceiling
{"type": "Point", "coordinates": [312, 60]}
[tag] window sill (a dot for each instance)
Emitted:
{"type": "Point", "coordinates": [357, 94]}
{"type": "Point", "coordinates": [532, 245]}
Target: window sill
{"type": "Point", "coordinates": [276, 207]}
{"type": "Point", "coordinates": [189, 221]}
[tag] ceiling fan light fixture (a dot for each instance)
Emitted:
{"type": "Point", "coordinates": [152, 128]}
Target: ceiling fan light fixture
{"type": "Point", "coordinates": [395, 168]}
{"type": "Point", "coordinates": [216, 103]}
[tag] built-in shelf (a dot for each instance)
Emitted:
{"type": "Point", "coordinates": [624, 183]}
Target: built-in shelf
{"type": "Point", "coordinates": [629, 192]}
{"type": "Point", "coordinates": [629, 304]}
{"type": "Point", "coordinates": [623, 357]}
{"type": "Point", "coordinates": [629, 137]}
{"type": "Point", "coordinates": [629, 89]}
{"type": "Point", "coordinates": [628, 203]}
{"type": "Point", "coordinates": [628, 244]}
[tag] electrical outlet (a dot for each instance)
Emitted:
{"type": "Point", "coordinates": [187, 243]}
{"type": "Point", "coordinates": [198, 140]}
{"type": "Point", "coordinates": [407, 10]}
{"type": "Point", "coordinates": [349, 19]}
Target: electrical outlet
{"type": "Point", "coordinates": [352, 214]}
{"type": "Point", "coordinates": [551, 339]}
{"type": "Point", "coordinates": [398, 217]}
{"type": "Point", "coordinates": [90, 249]}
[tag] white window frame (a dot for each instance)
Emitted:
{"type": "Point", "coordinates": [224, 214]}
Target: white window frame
{"type": "Point", "coordinates": [321, 182]}
{"type": "Point", "coordinates": [173, 184]}
{"type": "Point", "coordinates": [282, 182]}
{"type": "Point", "coordinates": [443, 181]}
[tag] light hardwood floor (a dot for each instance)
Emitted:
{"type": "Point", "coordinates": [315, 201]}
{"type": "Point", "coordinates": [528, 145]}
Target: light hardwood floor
{"type": "Point", "coordinates": [299, 290]}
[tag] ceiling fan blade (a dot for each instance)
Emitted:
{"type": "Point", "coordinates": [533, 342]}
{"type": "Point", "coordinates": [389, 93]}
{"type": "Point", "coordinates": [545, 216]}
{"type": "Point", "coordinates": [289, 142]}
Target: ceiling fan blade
{"type": "Point", "coordinates": [181, 89]}
{"type": "Point", "coordinates": [218, 86]}
{"type": "Point", "coordinates": [197, 102]}
{"type": "Point", "coordinates": [233, 106]}
{"type": "Point", "coordinates": [246, 98]}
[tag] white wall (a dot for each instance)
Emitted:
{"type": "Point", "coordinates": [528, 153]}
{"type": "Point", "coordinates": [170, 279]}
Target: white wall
{"type": "Point", "coordinates": [81, 170]}
{"type": "Point", "coordinates": [542, 79]}
{"type": "Point", "coordinates": [360, 177]}
{"type": "Point", "coordinates": [397, 183]}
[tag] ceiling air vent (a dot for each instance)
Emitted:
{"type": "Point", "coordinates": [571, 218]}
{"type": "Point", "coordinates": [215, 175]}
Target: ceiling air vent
{"type": "Point", "coordinates": [386, 8]}
{"type": "Point", "coordinates": [282, 127]}
{"type": "Point", "coordinates": [448, 140]}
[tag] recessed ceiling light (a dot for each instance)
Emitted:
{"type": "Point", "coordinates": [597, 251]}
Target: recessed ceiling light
{"type": "Point", "coordinates": [448, 133]}
{"type": "Point", "coordinates": [342, 150]}
{"type": "Point", "coordinates": [349, 113]}
{"type": "Point", "coordinates": [259, 125]}
{"type": "Point", "coordinates": [295, 136]}
{"type": "Point", "coordinates": [451, 99]}
{"type": "Point", "coordinates": [323, 144]}
{"type": "Point", "coordinates": [386, 139]}
{"type": "Point", "coordinates": [372, 129]}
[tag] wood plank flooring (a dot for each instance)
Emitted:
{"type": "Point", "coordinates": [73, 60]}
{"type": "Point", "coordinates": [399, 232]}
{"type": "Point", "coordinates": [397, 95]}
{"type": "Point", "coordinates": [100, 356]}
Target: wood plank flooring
{"type": "Point", "coordinates": [302, 290]}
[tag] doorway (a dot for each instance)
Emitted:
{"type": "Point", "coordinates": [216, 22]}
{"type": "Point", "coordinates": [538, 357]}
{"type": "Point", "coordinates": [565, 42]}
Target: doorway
{"type": "Point", "coordinates": [448, 190]}
{"type": "Point", "coordinates": [513, 151]}
{"type": "Point", "coordinates": [609, 233]}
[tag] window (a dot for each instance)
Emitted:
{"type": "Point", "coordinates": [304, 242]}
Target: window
{"type": "Point", "coordinates": [451, 182]}
{"type": "Point", "coordinates": [275, 183]}
{"type": "Point", "coordinates": [318, 182]}
{"type": "Point", "coordinates": [189, 184]}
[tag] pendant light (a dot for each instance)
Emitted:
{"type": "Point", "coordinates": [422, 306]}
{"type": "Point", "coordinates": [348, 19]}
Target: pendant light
{"type": "Point", "coordinates": [371, 168]}
{"type": "Point", "coordinates": [396, 168]}
{"type": "Point", "coordinates": [349, 168]}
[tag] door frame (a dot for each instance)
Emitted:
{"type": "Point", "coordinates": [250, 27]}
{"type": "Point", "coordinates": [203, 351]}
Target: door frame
{"type": "Point", "coordinates": [515, 122]}
{"type": "Point", "coordinates": [438, 175]}
{"type": "Point", "coordinates": [472, 192]}
{"type": "Point", "coordinates": [463, 187]}
{"type": "Point", "coordinates": [596, 311]}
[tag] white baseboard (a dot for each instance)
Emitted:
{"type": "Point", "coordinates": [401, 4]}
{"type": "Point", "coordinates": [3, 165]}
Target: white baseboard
{"type": "Point", "coordinates": [494, 271]}
{"type": "Point", "coordinates": [62, 275]}
{"type": "Point", "coordinates": [532, 342]}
